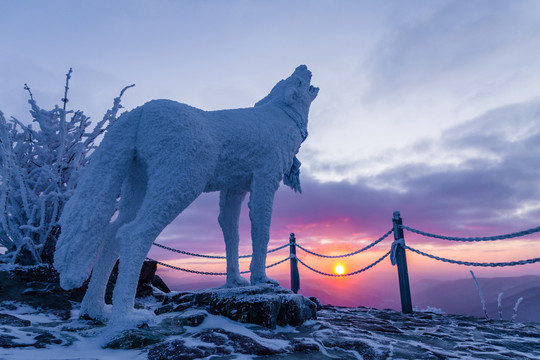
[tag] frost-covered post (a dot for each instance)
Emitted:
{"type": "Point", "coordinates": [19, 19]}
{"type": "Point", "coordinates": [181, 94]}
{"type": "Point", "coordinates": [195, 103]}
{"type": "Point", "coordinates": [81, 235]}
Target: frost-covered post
{"type": "Point", "coordinates": [399, 259]}
{"type": "Point", "coordinates": [482, 299]}
{"type": "Point", "coordinates": [295, 276]}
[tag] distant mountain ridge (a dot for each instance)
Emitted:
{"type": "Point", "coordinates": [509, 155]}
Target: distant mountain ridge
{"type": "Point", "coordinates": [451, 296]}
{"type": "Point", "coordinates": [461, 296]}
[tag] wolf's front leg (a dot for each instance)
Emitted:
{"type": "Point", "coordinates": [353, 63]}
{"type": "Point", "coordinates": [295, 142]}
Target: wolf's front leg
{"type": "Point", "coordinates": [260, 213]}
{"type": "Point", "coordinates": [230, 203]}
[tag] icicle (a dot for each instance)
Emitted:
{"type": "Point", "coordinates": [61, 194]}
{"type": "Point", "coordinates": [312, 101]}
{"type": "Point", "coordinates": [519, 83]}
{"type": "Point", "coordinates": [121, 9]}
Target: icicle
{"type": "Point", "coordinates": [292, 178]}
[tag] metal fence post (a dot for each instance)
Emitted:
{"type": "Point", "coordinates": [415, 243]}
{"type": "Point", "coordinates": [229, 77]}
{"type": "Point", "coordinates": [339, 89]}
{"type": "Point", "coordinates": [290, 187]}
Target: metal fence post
{"type": "Point", "coordinates": [401, 259]}
{"type": "Point", "coordinates": [295, 277]}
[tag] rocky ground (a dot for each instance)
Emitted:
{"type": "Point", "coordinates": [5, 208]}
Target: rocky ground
{"type": "Point", "coordinates": [258, 322]}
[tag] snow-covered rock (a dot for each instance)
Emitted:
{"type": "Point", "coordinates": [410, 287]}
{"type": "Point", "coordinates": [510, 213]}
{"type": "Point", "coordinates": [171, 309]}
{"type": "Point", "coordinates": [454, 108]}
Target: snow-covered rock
{"type": "Point", "coordinates": [267, 305]}
{"type": "Point", "coordinates": [38, 286]}
{"type": "Point", "coordinates": [338, 333]}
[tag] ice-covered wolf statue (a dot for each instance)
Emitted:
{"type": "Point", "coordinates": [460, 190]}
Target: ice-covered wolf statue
{"type": "Point", "coordinates": [158, 158]}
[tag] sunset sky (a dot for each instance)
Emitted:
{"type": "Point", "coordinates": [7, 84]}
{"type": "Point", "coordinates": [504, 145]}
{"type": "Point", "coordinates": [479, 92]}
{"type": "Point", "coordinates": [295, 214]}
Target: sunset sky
{"type": "Point", "coordinates": [428, 107]}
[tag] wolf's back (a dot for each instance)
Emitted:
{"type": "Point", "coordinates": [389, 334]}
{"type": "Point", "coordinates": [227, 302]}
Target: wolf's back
{"type": "Point", "coordinates": [88, 212]}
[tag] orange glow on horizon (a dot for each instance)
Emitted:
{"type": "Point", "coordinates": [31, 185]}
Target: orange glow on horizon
{"type": "Point", "coordinates": [376, 287]}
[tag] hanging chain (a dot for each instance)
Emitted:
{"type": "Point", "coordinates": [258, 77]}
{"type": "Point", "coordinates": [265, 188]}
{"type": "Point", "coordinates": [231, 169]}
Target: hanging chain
{"type": "Point", "coordinates": [349, 254]}
{"type": "Point", "coordinates": [469, 263]}
{"type": "Point", "coordinates": [472, 239]}
{"type": "Point", "coordinates": [207, 272]}
{"type": "Point", "coordinates": [349, 274]}
{"type": "Point", "coordinates": [213, 256]}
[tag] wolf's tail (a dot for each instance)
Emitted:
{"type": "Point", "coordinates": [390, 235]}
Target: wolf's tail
{"type": "Point", "coordinates": [87, 214]}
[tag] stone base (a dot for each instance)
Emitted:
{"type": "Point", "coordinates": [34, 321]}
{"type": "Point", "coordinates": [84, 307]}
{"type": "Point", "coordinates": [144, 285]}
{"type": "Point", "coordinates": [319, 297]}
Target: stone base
{"type": "Point", "coordinates": [39, 286]}
{"type": "Point", "coordinates": [266, 305]}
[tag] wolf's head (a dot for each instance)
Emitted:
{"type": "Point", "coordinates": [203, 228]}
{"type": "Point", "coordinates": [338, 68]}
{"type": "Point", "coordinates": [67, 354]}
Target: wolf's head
{"type": "Point", "coordinates": [300, 88]}
{"type": "Point", "coordinates": [294, 93]}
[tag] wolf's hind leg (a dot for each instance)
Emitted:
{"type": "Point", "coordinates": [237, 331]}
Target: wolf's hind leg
{"type": "Point", "coordinates": [230, 203]}
{"type": "Point", "coordinates": [170, 190]}
{"type": "Point", "coordinates": [132, 194]}
{"type": "Point", "coordinates": [93, 304]}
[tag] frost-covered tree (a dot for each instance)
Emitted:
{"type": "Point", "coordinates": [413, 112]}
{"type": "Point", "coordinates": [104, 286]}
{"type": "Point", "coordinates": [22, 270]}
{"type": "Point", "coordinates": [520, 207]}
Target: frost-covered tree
{"type": "Point", "coordinates": [39, 169]}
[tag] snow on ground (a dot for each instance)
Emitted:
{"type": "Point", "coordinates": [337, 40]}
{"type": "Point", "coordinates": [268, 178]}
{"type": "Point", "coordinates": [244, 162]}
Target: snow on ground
{"type": "Point", "coordinates": [82, 350]}
{"type": "Point", "coordinates": [338, 333]}
{"type": "Point", "coordinates": [78, 347]}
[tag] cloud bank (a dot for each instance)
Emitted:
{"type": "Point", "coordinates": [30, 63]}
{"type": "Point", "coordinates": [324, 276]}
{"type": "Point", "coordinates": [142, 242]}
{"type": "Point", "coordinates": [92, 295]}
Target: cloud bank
{"type": "Point", "coordinates": [486, 182]}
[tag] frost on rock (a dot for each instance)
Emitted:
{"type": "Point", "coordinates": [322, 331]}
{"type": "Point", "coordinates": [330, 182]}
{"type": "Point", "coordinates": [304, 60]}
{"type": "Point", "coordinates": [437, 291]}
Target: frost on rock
{"type": "Point", "coordinates": [338, 333]}
{"type": "Point", "coordinates": [37, 332]}
{"type": "Point", "coordinates": [160, 157]}
{"type": "Point", "coordinates": [265, 305]}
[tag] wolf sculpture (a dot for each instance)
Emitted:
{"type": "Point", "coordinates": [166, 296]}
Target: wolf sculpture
{"type": "Point", "coordinates": [158, 158]}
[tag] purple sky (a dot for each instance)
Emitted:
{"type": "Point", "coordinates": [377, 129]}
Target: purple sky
{"type": "Point", "coordinates": [427, 107]}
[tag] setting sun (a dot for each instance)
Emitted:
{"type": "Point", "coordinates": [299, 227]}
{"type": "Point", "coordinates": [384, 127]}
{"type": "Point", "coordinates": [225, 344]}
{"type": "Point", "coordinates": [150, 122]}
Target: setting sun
{"type": "Point", "coordinates": [340, 270]}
